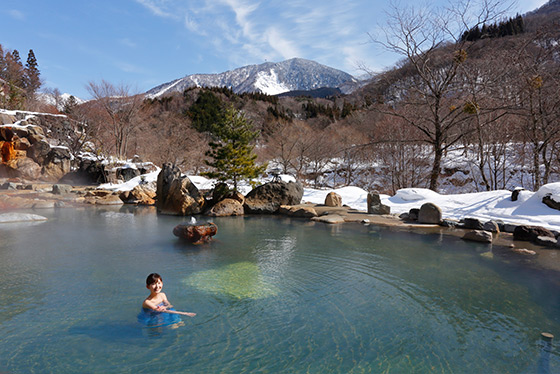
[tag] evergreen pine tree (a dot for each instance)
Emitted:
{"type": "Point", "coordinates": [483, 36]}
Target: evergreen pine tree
{"type": "Point", "coordinates": [70, 104]}
{"type": "Point", "coordinates": [206, 111]}
{"type": "Point", "coordinates": [32, 82]}
{"type": "Point", "coordinates": [14, 68]}
{"type": "Point", "coordinates": [347, 109]}
{"type": "Point", "coordinates": [15, 57]}
{"type": "Point", "coordinates": [13, 75]}
{"type": "Point", "coordinates": [232, 154]}
{"type": "Point", "coordinates": [520, 26]}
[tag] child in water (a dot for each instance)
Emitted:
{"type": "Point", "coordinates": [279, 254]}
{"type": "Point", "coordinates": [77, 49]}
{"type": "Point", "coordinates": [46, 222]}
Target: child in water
{"type": "Point", "coordinates": [157, 303]}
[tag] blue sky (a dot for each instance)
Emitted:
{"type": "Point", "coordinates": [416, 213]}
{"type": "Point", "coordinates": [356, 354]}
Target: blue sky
{"type": "Point", "coordinates": [144, 43]}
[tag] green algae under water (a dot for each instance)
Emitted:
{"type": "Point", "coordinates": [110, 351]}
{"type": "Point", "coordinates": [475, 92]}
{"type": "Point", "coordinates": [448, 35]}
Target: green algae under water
{"type": "Point", "coordinates": [242, 280]}
{"type": "Point", "coordinates": [271, 295]}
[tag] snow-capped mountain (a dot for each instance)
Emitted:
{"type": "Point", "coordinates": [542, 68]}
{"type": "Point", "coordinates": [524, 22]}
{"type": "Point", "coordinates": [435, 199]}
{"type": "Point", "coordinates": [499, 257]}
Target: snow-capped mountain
{"type": "Point", "coordinates": [58, 100]}
{"type": "Point", "coordinates": [270, 77]}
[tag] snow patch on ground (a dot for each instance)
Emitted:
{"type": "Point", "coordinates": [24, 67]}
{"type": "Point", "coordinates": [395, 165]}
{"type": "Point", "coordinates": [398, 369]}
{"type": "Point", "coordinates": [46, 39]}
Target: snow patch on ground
{"type": "Point", "coordinates": [29, 114]}
{"type": "Point", "coordinates": [492, 205]}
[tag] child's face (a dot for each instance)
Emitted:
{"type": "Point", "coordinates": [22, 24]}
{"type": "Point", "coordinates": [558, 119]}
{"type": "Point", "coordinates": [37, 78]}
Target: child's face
{"type": "Point", "coordinates": [156, 286]}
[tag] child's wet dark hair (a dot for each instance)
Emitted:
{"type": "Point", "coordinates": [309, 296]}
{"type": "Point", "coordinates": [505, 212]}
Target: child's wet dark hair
{"type": "Point", "coordinates": [153, 278]}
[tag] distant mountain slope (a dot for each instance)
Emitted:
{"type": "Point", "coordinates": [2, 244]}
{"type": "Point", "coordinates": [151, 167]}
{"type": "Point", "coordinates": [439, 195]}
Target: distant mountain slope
{"type": "Point", "coordinates": [270, 77]}
{"type": "Point", "coordinates": [316, 93]}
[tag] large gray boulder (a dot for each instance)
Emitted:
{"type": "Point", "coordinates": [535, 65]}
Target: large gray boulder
{"type": "Point", "coordinates": [89, 172]}
{"type": "Point", "coordinates": [472, 224]}
{"type": "Point", "coordinates": [7, 119]}
{"type": "Point", "coordinates": [330, 219]}
{"type": "Point", "coordinates": [169, 172]}
{"type": "Point", "coordinates": [515, 193]}
{"type": "Point", "coordinates": [39, 151]}
{"type": "Point", "coordinates": [127, 173]}
{"type": "Point", "coordinates": [56, 164]}
{"type": "Point", "coordinates": [268, 198]}
{"type": "Point", "coordinates": [549, 201]}
{"type": "Point", "coordinates": [429, 213]}
{"type": "Point", "coordinates": [333, 200]}
{"type": "Point", "coordinates": [491, 226]}
{"type": "Point", "coordinates": [143, 194]}
{"type": "Point", "coordinates": [298, 211]}
{"type": "Point", "coordinates": [374, 205]}
{"type": "Point", "coordinates": [478, 236]}
{"type": "Point", "coordinates": [546, 241]}
{"type": "Point", "coordinates": [226, 207]}
{"type": "Point", "coordinates": [61, 189]}
{"type": "Point", "coordinates": [530, 233]}
{"type": "Point", "coordinates": [413, 214]}
{"type": "Point", "coordinates": [24, 168]}
{"type": "Point", "coordinates": [176, 194]}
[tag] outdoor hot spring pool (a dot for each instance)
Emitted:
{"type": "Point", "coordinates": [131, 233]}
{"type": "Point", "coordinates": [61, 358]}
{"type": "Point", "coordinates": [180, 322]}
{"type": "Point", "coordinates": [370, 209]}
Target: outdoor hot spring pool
{"type": "Point", "coordinates": [273, 295]}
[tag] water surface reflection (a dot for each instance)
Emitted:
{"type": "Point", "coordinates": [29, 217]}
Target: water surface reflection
{"type": "Point", "coordinates": [271, 295]}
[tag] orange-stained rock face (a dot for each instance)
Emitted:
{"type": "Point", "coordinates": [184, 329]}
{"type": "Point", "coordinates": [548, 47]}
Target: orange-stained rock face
{"type": "Point", "coordinates": [7, 151]}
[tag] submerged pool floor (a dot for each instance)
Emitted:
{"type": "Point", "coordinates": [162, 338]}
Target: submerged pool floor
{"type": "Point", "coordinates": [271, 294]}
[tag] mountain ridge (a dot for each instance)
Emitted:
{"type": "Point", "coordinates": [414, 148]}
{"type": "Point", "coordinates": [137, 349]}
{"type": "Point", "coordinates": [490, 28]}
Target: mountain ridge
{"type": "Point", "coordinates": [271, 78]}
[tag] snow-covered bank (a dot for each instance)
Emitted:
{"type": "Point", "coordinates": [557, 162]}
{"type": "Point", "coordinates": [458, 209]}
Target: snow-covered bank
{"type": "Point", "coordinates": [493, 205]}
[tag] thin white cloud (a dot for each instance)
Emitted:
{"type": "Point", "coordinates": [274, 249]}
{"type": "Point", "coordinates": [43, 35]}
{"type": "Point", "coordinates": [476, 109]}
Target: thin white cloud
{"type": "Point", "coordinates": [127, 42]}
{"type": "Point", "coordinates": [243, 10]}
{"type": "Point", "coordinates": [252, 31]}
{"type": "Point", "coordinates": [156, 9]}
{"type": "Point", "coordinates": [16, 14]}
{"type": "Point", "coordinates": [129, 68]}
{"type": "Point", "coordinates": [286, 48]}
{"type": "Point", "coordinates": [193, 26]}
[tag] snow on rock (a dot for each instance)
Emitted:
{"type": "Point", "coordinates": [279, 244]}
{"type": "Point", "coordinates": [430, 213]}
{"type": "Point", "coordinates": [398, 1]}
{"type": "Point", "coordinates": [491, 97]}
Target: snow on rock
{"type": "Point", "coordinates": [29, 114]}
{"type": "Point", "coordinates": [20, 217]}
{"type": "Point", "coordinates": [269, 83]}
{"type": "Point", "coordinates": [129, 185]}
{"type": "Point", "coordinates": [286, 178]}
{"type": "Point", "coordinates": [202, 183]}
{"type": "Point", "coordinates": [552, 189]}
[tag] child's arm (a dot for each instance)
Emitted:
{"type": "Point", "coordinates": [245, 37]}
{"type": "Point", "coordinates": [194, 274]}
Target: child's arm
{"type": "Point", "coordinates": [166, 303]}
{"type": "Point", "coordinates": [165, 308]}
{"type": "Point", "coordinates": [188, 314]}
{"type": "Point", "coordinates": [148, 304]}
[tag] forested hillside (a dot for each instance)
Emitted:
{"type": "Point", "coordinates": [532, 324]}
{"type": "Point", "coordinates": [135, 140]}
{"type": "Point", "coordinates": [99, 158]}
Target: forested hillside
{"type": "Point", "coordinates": [477, 109]}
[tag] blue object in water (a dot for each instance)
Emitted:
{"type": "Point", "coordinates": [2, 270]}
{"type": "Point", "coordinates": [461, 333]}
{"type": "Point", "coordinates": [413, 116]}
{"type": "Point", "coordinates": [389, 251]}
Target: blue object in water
{"type": "Point", "coordinates": [151, 318]}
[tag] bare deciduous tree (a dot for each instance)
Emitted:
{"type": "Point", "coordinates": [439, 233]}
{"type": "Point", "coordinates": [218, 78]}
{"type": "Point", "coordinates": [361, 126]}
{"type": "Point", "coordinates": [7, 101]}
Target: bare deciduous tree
{"type": "Point", "coordinates": [121, 107]}
{"type": "Point", "coordinates": [283, 145]}
{"type": "Point", "coordinates": [429, 41]}
{"type": "Point", "coordinates": [538, 72]}
{"type": "Point", "coordinates": [168, 136]}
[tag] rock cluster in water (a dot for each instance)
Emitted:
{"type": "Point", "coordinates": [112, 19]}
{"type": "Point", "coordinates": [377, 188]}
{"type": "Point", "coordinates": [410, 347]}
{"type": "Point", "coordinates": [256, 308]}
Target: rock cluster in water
{"type": "Point", "coordinates": [196, 234]}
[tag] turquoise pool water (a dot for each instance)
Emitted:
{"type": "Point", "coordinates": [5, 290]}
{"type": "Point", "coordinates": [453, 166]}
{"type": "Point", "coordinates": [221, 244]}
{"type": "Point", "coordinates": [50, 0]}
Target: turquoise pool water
{"type": "Point", "coordinates": [272, 295]}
